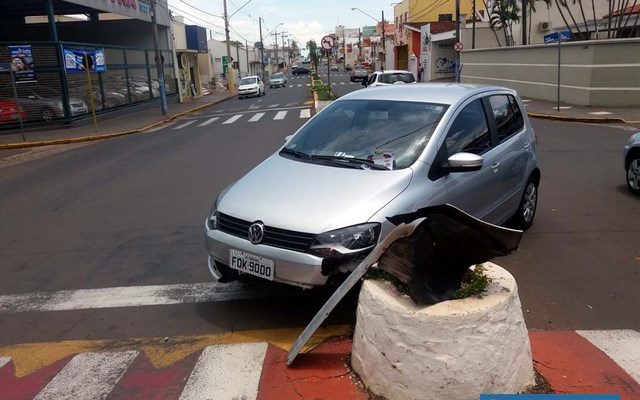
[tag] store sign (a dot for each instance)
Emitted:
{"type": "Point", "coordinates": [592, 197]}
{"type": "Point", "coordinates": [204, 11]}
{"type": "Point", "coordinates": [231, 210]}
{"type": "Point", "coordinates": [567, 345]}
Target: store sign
{"type": "Point", "coordinates": [137, 9]}
{"type": "Point", "coordinates": [22, 64]}
{"type": "Point", "coordinates": [81, 60]}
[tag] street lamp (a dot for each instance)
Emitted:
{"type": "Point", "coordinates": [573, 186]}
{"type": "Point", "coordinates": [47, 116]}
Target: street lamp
{"type": "Point", "coordinates": [384, 47]}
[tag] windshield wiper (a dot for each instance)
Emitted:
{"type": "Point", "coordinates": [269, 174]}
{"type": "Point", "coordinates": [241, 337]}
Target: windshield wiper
{"type": "Point", "coordinates": [296, 153]}
{"type": "Point", "coordinates": [350, 160]}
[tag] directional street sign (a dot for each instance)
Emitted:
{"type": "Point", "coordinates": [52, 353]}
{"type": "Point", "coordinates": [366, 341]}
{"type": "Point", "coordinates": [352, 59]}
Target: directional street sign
{"type": "Point", "coordinates": [565, 36]}
{"type": "Point", "coordinates": [458, 47]}
{"type": "Point", "coordinates": [328, 42]}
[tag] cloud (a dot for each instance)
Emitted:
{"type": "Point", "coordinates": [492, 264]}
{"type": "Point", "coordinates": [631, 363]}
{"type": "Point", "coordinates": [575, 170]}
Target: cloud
{"type": "Point", "coordinates": [304, 31]}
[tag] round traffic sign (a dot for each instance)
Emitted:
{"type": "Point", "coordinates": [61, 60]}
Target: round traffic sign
{"type": "Point", "coordinates": [458, 47]}
{"type": "Point", "coordinates": [328, 42]}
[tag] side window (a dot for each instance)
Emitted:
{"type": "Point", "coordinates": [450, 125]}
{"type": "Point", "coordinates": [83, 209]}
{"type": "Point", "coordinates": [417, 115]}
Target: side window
{"type": "Point", "coordinates": [507, 115]}
{"type": "Point", "coordinates": [372, 79]}
{"type": "Point", "coordinates": [469, 132]}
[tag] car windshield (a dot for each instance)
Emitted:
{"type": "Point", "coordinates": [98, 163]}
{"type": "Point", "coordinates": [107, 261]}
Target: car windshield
{"type": "Point", "coordinates": [396, 77]}
{"type": "Point", "coordinates": [389, 133]}
{"type": "Point", "coordinates": [248, 81]}
{"type": "Point", "coordinates": [276, 76]}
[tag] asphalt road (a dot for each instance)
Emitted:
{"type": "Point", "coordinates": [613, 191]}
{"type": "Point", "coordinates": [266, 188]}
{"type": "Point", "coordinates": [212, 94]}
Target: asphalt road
{"type": "Point", "coordinates": [130, 211]}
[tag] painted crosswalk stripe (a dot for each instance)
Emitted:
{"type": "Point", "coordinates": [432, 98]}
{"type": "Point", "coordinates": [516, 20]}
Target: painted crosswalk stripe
{"type": "Point", "coordinates": [233, 119]}
{"type": "Point", "coordinates": [226, 372]}
{"type": "Point", "coordinates": [300, 85]}
{"type": "Point", "coordinates": [280, 115]}
{"type": "Point", "coordinates": [4, 361]}
{"type": "Point", "coordinates": [305, 113]}
{"type": "Point", "coordinates": [183, 125]}
{"type": "Point", "coordinates": [129, 296]}
{"type": "Point", "coordinates": [88, 376]}
{"type": "Point", "coordinates": [622, 346]}
{"type": "Point", "coordinates": [256, 117]}
{"type": "Point", "coordinates": [210, 120]}
{"type": "Point", "coordinates": [342, 83]}
{"type": "Point", "coordinates": [290, 85]}
{"type": "Point", "coordinates": [291, 104]}
{"type": "Point", "coordinates": [273, 105]}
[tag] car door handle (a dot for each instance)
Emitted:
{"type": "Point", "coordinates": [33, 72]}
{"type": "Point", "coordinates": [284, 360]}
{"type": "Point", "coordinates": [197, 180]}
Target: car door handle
{"type": "Point", "coordinates": [527, 145]}
{"type": "Point", "coordinates": [495, 166]}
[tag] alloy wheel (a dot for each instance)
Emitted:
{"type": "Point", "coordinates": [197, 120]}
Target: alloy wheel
{"type": "Point", "coordinates": [47, 115]}
{"type": "Point", "coordinates": [633, 174]}
{"type": "Point", "coordinates": [529, 203]}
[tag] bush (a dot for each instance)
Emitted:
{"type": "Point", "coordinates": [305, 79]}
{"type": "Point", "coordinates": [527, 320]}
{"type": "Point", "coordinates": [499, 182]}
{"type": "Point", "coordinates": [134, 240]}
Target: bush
{"type": "Point", "coordinates": [474, 282]}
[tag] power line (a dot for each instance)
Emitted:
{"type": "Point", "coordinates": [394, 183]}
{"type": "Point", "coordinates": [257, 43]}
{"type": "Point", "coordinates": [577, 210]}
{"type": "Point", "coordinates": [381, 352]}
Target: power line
{"type": "Point", "coordinates": [195, 19]}
{"type": "Point", "coordinates": [194, 16]}
{"type": "Point", "coordinates": [240, 8]}
{"type": "Point", "coordinates": [196, 8]}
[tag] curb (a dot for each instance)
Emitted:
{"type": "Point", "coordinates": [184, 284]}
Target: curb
{"type": "Point", "coordinates": [593, 120]}
{"type": "Point", "coordinates": [21, 145]}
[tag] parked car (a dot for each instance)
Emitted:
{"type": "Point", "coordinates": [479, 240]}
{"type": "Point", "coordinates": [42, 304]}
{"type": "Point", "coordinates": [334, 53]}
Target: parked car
{"type": "Point", "coordinates": [10, 112]}
{"type": "Point", "coordinates": [277, 80]}
{"type": "Point", "coordinates": [334, 67]}
{"type": "Point", "coordinates": [300, 71]}
{"type": "Point", "coordinates": [384, 78]}
{"type": "Point", "coordinates": [41, 102]}
{"type": "Point", "coordinates": [358, 73]}
{"type": "Point", "coordinates": [250, 86]}
{"type": "Point", "coordinates": [316, 207]}
{"type": "Point", "coordinates": [632, 163]}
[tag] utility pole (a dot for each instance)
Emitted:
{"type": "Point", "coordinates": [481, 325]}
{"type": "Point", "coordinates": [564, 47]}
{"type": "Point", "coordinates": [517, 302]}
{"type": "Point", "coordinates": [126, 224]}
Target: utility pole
{"type": "Point", "coordinates": [384, 46]}
{"type": "Point", "coordinates": [359, 44]}
{"type": "Point", "coordinates": [238, 55]}
{"type": "Point", "coordinates": [282, 35]}
{"type": "Point", "coordinates": [524, 22]}
{"type": "Point", "coordinates": [275, 34]}
{"type": "Point", "coordinates": [457, 40]}
{"type": "Point", "coordinates": [230, 82]}
{"type": "Point", "coordinates": [473, 29]}
{"type": "Point", "coordinates": [246, 49]}
{"type": "Point", "coordinates": [264, 78]}
{"type": "Point", "coordinates": [159, 67]}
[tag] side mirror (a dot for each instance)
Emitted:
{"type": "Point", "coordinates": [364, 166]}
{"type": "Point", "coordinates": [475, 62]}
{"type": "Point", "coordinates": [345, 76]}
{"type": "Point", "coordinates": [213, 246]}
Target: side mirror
{"type": "Point", "coordinates": [287, 138]}
{"type": "Point", "coordinates": [463, 162]}
{"type": "Point", "coordinates": [365, 83]}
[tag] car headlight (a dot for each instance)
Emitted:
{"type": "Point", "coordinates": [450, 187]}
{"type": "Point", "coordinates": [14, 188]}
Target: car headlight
{"type": "Point", "coordinates": [213, 215]}
{"type": "Point", "coordinates": [346, 240]}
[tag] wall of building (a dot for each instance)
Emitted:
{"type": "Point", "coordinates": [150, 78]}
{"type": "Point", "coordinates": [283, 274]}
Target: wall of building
{"type": "Point", "coordinates": [423, 10]}
{"type": "Point", "coordinates": [593, 73]}
{"type": "Point", "coordinates": [442, 59]}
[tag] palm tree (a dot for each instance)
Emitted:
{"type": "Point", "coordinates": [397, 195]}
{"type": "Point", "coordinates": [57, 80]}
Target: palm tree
{"type": "Point", "coordinates": [314, 53]}
{"type": "Point", "coordinates": [532, 9]}
{"type": "Point", "coordinates": [506, 12]}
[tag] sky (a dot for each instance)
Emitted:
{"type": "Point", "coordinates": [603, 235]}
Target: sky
{"type": "Point", "coordinates": [303, 20]}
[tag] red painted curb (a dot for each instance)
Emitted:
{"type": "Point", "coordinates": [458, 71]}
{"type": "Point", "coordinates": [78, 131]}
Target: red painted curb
{"type": "Point", "coordinates": [27, 387]}
{"type": "Point", "coordinates": [571, 364]}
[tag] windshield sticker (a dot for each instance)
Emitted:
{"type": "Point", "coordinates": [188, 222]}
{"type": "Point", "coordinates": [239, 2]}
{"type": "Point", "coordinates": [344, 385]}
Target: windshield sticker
{"type": "Point", "coordinates": [383, 157]}
{"type": "Point", "coordinates": [379, 115]}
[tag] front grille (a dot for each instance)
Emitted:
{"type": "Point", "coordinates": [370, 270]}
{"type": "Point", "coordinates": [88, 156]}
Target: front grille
{"type": "Point", "coordinates": [276, 237]}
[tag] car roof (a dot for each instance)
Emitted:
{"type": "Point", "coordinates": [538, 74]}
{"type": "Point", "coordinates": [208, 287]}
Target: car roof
{"type": "Point", "coordinates": [441, 93]}
{"type": "Point", "coordinates": [393, 71]}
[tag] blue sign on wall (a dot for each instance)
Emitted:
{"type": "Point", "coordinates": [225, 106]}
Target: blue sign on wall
{"type": "Point", "coordinates": [22, 63]}
{"type": "Point", "coordinates": [565, 36]}
{"type": "Point", "coordinates": [74, 60]}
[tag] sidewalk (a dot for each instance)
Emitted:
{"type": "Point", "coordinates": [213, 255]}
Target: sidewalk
{"type": "Point", "coordinates": [547, 110]}
{"type": "Point", "coordinates": [252, 366]}
{"type": "Point", "coordinates": [132, 121]}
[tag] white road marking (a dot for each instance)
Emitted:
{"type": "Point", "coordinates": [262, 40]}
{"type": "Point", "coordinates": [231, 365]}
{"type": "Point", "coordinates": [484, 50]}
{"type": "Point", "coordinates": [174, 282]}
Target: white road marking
{"type": "Point", "coordinates": [128, 296]}
{"type": "Point", "coordinates": [280, 115]}
{"type": "Point", "coordinates": [4, 361]}
{"type": "Point", "coordinates": [562, 108]}
{"type": "Point", "coordinates": [308, 84]}
{"type": "Point", "coordinates": [622, 346]}
{"type": "Point", "coordinates": [600, 113]}
{"type": "Point", "coordinates": [210, 120]}
{"type": "Point", "coordinates": [290, 85]}
{"type": "Point", "coordinates": [342, 83]}
{"type": "Point", "coordinates": [233, 119]}
{"type": "Point", "coordinates": [253, 107]}
{"type": "Point", "coordinates": [306, 113]}
{"type": "Point", "coordinates": [88, 376]}
{"type": "Point", "coordinates": [157, 128]}
{"type": "Point", "coordinates": [300, 85]}
{"type": "Point", "coordinates": [256, 117]}
{"type": "Point", "coordinates": [183, 125]}
{"type": "Point", "coordinates": [260, 100]}
{"type": "Point", "coordinates": [526, 100]}
{"type": "Point", "coordinates": [273, 105]}
{"type": "Point", "coordinates": [291, 104]}
{"type": "Point", "coordinates": [226, 372]}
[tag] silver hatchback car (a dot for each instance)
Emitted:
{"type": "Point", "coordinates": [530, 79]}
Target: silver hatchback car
{"type": "Point", "coordinates": [314, 209]}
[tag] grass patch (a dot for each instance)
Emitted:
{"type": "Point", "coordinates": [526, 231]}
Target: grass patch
{"type": "Point", "coordinates": [474, 282]}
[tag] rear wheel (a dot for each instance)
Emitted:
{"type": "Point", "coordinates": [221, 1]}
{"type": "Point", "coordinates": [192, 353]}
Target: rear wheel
{"type": "Point", "coordinates": [47, 114]}
{"type": "Point", "coordinates": [528, 205]}
{"type": "Point", "coordinates": [633, 175]}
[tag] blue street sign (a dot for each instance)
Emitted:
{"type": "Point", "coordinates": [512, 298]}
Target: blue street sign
{"type": "Point", "coordinates": [565, 36]}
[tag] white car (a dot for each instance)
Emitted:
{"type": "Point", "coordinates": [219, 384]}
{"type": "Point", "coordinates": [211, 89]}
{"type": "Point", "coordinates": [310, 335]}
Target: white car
{"type": "Point", "coordinates": [250, 86]}
{"type": "Point", "coordinates": [277, 80]}
{"type": "Point", "coordinates": [390, 77]}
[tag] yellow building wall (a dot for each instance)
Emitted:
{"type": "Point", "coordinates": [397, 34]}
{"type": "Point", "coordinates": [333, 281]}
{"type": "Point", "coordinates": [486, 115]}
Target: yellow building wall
{"type": "Point", "coordinates": [424, 11]}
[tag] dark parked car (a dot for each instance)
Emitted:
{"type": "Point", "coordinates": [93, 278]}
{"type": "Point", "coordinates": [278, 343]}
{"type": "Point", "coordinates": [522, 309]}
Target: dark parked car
{"type": "Point", "coordinates": [301, 71]}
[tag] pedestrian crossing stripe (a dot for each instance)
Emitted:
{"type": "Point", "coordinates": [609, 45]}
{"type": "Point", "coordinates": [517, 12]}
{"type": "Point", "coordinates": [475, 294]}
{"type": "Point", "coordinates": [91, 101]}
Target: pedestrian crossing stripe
{"type": "Point", "coordinates": [256, 117]}
{"type": "Point", "coordinates": [305, 113]}
{"type": "Point", "coordinates": [280, 115]}
{"type": "Point", "coordinates": [233, 119]}
{"type": "Point", "coordinates": [210, 120]}
{"type": "Point", "coordinates": [184, 125]}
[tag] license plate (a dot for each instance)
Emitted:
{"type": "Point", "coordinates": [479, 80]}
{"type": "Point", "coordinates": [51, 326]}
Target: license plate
{"type": "Point", "coordinates": [252, 264]}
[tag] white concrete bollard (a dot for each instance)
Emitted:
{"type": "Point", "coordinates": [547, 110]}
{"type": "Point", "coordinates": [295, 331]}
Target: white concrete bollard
{"type": "Point", "coordinates": [454, 350]}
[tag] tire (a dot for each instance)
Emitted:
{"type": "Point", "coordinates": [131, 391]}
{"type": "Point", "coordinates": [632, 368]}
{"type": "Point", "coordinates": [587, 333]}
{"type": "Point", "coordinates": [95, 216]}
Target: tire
{"type": "Point", "coordinates": [528, 205]}
{"type": "Point", "coordinates": [47, 114]}
{"type": "Point", "coordinates": [240, 97]}
{"type": "Point", "coordinates": [633, 175]}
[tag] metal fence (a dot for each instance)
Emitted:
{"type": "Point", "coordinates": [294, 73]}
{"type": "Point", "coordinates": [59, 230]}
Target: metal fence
{"type": "Point", "coordinates": [130, 78]}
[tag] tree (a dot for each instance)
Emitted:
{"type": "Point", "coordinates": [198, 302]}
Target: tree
{"type": "Point", "coordinates": [503, 14]}
{"type": "Point", "coordinates": [314, 53]}
{"type": "Point", "coordinates": [619, 24]}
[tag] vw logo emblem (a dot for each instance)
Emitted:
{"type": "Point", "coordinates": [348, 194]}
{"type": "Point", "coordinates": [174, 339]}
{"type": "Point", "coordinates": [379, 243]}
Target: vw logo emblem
{"type": "Point", "coordinates": [256, 232]}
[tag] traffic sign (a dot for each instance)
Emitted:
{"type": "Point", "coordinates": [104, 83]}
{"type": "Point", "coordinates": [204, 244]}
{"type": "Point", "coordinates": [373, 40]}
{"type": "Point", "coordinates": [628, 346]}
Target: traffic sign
{"type": "Point", "coordinates": [328, 42]}
{"type": "Point", "coordinates": [565, 36]}
{"type": "Point", "coordinates": [458, 47]}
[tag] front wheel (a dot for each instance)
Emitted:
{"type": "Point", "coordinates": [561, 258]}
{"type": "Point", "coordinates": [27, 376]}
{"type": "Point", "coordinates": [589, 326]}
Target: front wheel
{"type": "Point", "coordinates": [633, 176]}
{"type": "Point", "coordinates": [528, 205]}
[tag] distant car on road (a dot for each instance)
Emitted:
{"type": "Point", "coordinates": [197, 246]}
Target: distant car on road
{"type": "Point", "coordinates": [250, 86]}
{"type": "Point", "coordinates": [334, 67]}
{"type": "Point", "coordinates": [632, 163]}
{"type": "Point", "coordinates": [313, 209]}
{"type": "Point", "coordinates": [358, 73]}
{"type": "Point", "coordinates": [277, 80]}
{"type": "Point", "coordinates": [391, 77]}
{"type": "Point", "coordinates": [10, 112]}
{"type": "Point", "coordinates": [301, 71]}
